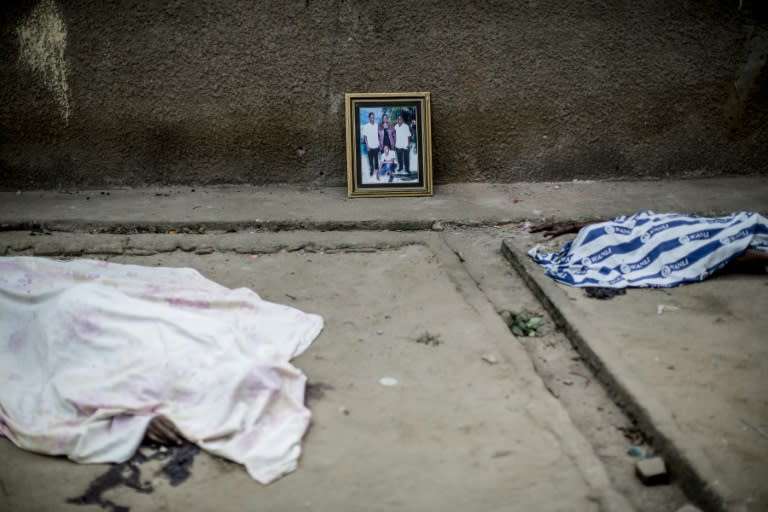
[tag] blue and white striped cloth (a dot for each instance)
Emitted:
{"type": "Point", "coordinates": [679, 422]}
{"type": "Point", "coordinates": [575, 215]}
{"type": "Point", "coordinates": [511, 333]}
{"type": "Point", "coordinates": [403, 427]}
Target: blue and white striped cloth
{"type": "Point", "coordinates": [653, 250]}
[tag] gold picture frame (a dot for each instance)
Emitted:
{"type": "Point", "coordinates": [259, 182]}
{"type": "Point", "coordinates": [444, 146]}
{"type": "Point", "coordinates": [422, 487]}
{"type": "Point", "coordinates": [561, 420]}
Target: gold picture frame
{"type": "Point", "coordinates": [383, 170]}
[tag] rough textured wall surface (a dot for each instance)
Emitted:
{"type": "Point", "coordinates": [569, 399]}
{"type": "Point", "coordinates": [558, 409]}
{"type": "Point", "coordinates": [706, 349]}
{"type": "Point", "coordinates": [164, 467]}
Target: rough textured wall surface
{"type": "Point", "coordinates": [115, 93]}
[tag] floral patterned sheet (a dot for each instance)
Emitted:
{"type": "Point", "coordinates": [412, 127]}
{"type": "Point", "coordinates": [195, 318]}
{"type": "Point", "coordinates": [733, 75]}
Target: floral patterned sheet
{"type": "Point", "coordinates": [91, 351]}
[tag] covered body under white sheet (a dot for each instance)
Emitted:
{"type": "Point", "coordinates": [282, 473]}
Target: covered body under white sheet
{"type": "Point", "coordinates": [91, 351]}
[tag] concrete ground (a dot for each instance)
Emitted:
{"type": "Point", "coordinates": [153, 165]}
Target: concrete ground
{"type": "Point", "coordinates": [533, 429]}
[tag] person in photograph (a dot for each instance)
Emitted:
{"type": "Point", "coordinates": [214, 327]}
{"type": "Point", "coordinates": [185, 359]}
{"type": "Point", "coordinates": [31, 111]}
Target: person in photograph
{"type": "Point", "coordinates": [403, 145]}
{"type": "Point", "coordinates": [386, 133]}
{"type": "Point", "coordinates": [388, 164]}
{"type": "Point", "coordinates": [370, 133]}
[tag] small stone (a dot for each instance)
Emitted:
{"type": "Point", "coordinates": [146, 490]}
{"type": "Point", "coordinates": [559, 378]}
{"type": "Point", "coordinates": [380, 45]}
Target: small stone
{"type": "Point", "coordinates": [438, 226]}
{"type": "Point", "coordinates": [652, 471]}
{"type": "Point", "coordinates": [490, 358]}
{"type": "Point", "coordinates": [689, 508]}
{"type": "Point", "coordinates": [343, 410]}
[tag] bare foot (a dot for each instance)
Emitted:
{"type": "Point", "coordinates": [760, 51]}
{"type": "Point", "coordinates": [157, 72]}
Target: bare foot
{"type": "Point", "coordinates": [161, 430]}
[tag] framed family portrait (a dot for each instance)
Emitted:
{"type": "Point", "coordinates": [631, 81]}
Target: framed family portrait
{"type": "Point", "coordinates": [389, 144]}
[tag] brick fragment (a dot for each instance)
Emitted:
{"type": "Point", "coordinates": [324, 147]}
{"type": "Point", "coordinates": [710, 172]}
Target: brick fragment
{"type": "Point", "coordinates": [652, 471]}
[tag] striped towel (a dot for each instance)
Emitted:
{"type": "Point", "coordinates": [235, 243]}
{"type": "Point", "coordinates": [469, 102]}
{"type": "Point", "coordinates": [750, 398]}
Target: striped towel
{"type": "Point", "coordinates": [653, 250]}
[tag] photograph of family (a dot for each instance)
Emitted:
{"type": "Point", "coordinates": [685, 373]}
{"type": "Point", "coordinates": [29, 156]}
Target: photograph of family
{"type": "Point", "coordinates": [388, 145]}
{"type": "Point", "coordinates": [389, 150]}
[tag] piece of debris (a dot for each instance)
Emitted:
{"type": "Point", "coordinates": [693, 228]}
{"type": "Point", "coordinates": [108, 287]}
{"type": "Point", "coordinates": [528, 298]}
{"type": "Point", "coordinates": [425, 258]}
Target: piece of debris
{"type": "Point", "coordinates": [633, 434]}
{"type": "Point", "coordinates": [429, 339]}
{"type": "Point", "coordinates": [343, 410]}
{"type": "Point", "coordinates": [18, 192]}
{"type": "Point", "coordinates": [603, 293]}
{"type": "Point", "coordinates": [652, 471]}
{"type": "Point", "coordinates": [689, 508]}
{"type": "Point", "coordinates": [254, 256]}
{"type": "Point", "coordinates": [490, 358]}
{"type": "Point", "coordinates": [501, 453]}
{"type": "Point", "coordinates": [438, 226]}
{"type": "Point", "coordinates": [388, 381]}
{"type": "Point", "coordinates": [639, 451]}
{"type": "Point", "coordinates": [661, 308]}
{"type": "Point", "coordinates": [521, 324]}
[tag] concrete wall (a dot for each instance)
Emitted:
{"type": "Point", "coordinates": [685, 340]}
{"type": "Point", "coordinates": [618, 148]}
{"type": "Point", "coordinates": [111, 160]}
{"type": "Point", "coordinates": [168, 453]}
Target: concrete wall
{"type": "Point", "coordinates": [97, 93]}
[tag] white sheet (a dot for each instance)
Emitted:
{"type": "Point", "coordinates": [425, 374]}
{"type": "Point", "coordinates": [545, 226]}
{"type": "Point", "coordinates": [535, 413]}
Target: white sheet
{"type": "Point", "coordinates": [91, 351]}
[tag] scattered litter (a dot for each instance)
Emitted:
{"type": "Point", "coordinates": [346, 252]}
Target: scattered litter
{"type": "Point", "coordinates": [527, 225]}
{"type": "Point", "coordinates": [438, 226]}
{"type": "Point", "coordinates": [201, 230]}
{"type": "Point", "coordinates": [254, 256]}
{"type": "Point", "coordinates": [633, 434]}
{"type": "Point", "coordinates": [501, 453]}
{"type": "Point", "coordinates": [429, 339]}
{"type": "Point", "coordinates": [290, 296]}
{"type": "Point", "coordinates": [639, 451]}
{"type": "Point", "coordinates": [379, 333]}
{"type": "Point", "coordinates": [490, 358]}
{"type": "Point", "coordinates": [343, 410]}
{"type": "Point", "coordinates": [756, 429]}
{"type": "Point", "coordinates": [661, 308]}
{"type": "Point", "coordinates": [603, 293]}
{"type": "Point", "coordinates": [170, 232]}
{"type": "Point", "coordinates": [652, 471]}
{"type": "Point", "coordinates": [388, 381]}
{"type": "Point", "coordinates": [568, 382]}
{"type": "Point", "coordinates": [521, 324]}
{"type": "Point", "coordinates": [460, 256]}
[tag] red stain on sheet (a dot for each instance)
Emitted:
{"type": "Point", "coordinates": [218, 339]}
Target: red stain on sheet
{"type": "Point", "coordinates": [199, 304]}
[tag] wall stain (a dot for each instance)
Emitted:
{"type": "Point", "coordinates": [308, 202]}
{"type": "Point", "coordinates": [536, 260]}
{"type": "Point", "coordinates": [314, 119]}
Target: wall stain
{"type": "Point", "coordinates": [42, 39]}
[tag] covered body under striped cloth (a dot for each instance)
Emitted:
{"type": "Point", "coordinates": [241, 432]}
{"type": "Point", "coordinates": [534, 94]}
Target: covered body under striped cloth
{"type": "Point", "coordinates": [654, 250]}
